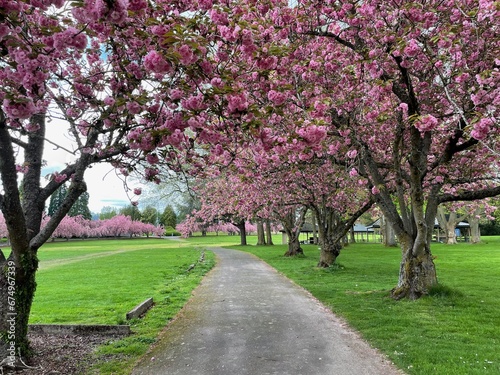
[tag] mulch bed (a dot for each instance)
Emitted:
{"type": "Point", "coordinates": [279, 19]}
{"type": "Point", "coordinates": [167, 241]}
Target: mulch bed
{"type": "Point", "coordinates": [64, 355]}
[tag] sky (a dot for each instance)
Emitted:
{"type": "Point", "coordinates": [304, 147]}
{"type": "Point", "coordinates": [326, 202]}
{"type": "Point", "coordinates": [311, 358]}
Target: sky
{"type": "Point", "coordinates": [105, 188]}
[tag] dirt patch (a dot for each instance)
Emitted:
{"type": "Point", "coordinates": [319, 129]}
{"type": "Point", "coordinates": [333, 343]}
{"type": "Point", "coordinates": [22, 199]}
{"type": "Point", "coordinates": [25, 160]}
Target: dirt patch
{"type": "Point", "coordinates": [62, 355]}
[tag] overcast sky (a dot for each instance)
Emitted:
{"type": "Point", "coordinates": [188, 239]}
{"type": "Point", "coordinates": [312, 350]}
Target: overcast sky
{"type": "Point", "coordinates": [103, 185]}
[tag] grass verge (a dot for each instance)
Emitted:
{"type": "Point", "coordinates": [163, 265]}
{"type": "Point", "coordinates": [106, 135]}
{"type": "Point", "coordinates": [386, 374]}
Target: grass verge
{"type": "Point", "coordinates": [454, 330]}
{"type": "Point", "coordinates": [98, 282]}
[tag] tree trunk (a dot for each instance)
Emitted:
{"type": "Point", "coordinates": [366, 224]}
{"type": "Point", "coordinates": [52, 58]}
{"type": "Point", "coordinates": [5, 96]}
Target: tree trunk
{"type": "Point", "coordinates": [17, 289]}
{"type": "Point", "coordinates": [243, 233]}
{"type": "Point", "coordinates": [261, 238]}
{"type": "Point", "coordinates": [330, 250]}
{"type": "Point", "coordinates": [351, 233]}
{"type": "Point", "coordinates": [475, 233]}
{"type": "Point", "coordinates": [294, 247]}
{"type": "Point", "coordinates": [269, 234]}
{"type": "Point", "coordinates": [449, 224]}
{"type": "Point", "coordinates": [388, 233]}
{"type": "Point", "coordinates": [292, 223]}
{"type": "Point", "coordinates": [315, 229]}
{"type": "Point", "coordinates": [451, 237]}
{"type": "Point", "coordinates": [417, 272]}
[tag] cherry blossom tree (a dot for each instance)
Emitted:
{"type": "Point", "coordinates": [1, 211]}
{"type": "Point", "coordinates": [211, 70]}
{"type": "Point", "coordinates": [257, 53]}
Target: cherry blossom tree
{"type": "Point", "coordinates": [404, 94]}
{"type": "Point", "coordinates": [69, 227]}
{"type": "Point", "coordinates": [94, 70]}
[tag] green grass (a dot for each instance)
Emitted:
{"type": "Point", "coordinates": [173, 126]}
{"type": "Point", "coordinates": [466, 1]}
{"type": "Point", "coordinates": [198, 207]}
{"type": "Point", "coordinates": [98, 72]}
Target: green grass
{"type": "Point", "coordinates": [455, 330]}
{"type": "Point", "coordinates": [98, 282]}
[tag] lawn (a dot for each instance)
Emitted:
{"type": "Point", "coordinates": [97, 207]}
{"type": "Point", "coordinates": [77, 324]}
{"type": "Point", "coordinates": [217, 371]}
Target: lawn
{"type": "Point", "coordinates": [99, 281]}
{"type": "Point", "coordinates": [454, 331]}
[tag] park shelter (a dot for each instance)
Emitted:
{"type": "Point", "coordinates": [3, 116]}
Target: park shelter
{"type": "Point", "coordinates": [363, 233]}
{"type": "Point", "coordinates": [462, 230]}
{"type": "Point", "coordinates": [305, 236]}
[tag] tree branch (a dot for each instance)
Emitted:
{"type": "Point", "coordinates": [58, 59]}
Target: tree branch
{"type": "Point", "coordinates": [470, 195]}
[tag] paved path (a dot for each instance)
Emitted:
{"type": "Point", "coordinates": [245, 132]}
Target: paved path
{"type": "Point", "coordinates": [246, 319]}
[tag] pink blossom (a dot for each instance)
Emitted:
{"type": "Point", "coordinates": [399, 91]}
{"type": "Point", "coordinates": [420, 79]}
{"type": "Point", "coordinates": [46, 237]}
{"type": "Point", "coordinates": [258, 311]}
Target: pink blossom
{"type": "Point", "coordinates": [79, 41]}
{"type": "Point", "coordinates": [216, 82]}
{"type": "Point", "coordinates": [109, 101]}
{"type": "Point", "coordinates": [426, 123]}
{"type": "Point", "coordinates": [137, 191]}
{"type": "Point", "coordinates": [205, 4]}
{"type": "Point", "coordinates": [176, 94]}
{"type": "Point", "coordinates": [134, 107]}
{"type": "Point", "coordinates": [438, 179]}
{"type": "Point", "coordinates": [187, 55]}
{"type": "Point", "coordinates": [59, 177]}
{"type": "Point", "coordinates": [22, 109]}
{"type": "Point", "coordinates": [4, 31]}
{"type": "Point", "coordinates": [21, 168]}
{"type": "Point", "coordinates": [482, 128]}
{"type": "Point", "coordinates": [152, 159]}
{"type": "Point", "coordinates": [84, 89]}
{"type": "Point", "coordinates": [375, 190]}
{"type": "Point", "coordinates": [155, 62]}
{"type": "Point", "coordinates": [194, 103]}
{"type": "Point", "coordinates": [218, 17]}
{"type": "Point", "coordinates": [278, 98]}
{"type": "Point", "coordinates": [151, 174]}
{"type": "Point", "coordinates": [351, 154]}
{"type": "Point", "coordinates": [403, 107]}
{"type": "Point", "coordinates": [353, 172]}
{"type": "Point", "coordinates": [31, 127]}
{"type": "Point", "coordinates": [237, 102]}
{"type": "Point", "coordinates": [118, 13]}
{"type": "Point", "coordinates": [313, 133]}
{"type": "Point", "coordinates": [136, 5]}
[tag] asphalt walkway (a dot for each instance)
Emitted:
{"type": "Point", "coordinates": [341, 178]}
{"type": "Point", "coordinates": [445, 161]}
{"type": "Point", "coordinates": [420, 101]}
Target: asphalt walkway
{"type": "Point", "coordinates": [246, 319]}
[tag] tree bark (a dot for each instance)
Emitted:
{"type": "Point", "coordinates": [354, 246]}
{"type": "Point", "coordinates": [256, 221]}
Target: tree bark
{"type": "Point", "coordinates": [269, 234]}
{"type": "Point", "coordinates": [17, 289]}
{"type": "Point", "coordinates": [261, 238]}
{"type": "Point", "coordinates": [315, 229]}
{"type": "Point", "coordinates": [475, 232]}
{"type": "Point", "coordinates": [449, 224]}
{"type": "Point", "coordinates": [388, 236]}
{"type": "Point", "coordinates": [329, 253]}
{"type": "Point", "coordinates": [333, 227]}
{"type": "Point", "coordinates": [351, 234]}
{"type": "Point", "coordinates": [417, 272]}
{"type": "Point", "coordinates": [243, 233]}
{"type": "Point", "coordinates": [294, 248]}
{"type": "Point", "coordinates": [292, 223]}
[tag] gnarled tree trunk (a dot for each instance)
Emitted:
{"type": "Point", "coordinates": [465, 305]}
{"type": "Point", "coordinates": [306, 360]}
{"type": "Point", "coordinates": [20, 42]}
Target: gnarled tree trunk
{"type": "Point", "coordinates": [332, 228]}
{"type": "Point", "coordinates": [417, 272]}
{"type": "Point", "coordinates": [294, 247]}
{"type": "Point", "coordinates": [329, 252]}
{"type": "Point", "coordinates": [292, 223]}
